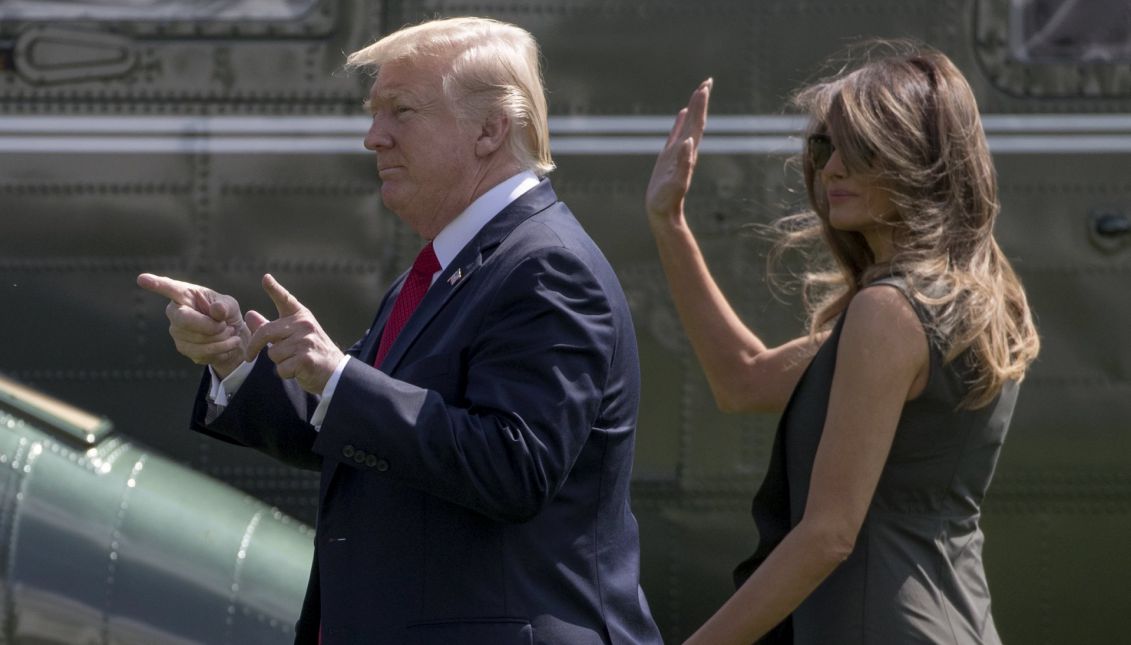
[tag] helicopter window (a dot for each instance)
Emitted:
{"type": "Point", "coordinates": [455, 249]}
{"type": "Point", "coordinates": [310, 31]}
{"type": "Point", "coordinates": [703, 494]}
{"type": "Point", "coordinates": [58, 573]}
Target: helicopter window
{"type": "Point", "coordinates": [163, 10]}
{"type": "Point", "coordinates": [1085, 31]}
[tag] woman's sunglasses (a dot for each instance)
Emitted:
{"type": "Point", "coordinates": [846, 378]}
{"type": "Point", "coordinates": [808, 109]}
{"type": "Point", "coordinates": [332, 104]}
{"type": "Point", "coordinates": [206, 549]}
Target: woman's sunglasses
{"type": "Point", "coordinates": [821, 149]}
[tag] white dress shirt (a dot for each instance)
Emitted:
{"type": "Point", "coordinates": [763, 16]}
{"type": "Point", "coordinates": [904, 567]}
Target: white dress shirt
{"type": "Point", "coordinates": [447, 245]}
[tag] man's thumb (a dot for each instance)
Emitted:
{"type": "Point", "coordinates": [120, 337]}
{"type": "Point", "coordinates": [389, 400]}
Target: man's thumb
{"type": "Point", "coordinates": [221, 310]}
{"type": "Point", "coordinates": [254, 320]}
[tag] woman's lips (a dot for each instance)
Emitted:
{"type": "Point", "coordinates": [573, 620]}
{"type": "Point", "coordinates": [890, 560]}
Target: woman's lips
{"type": "Point", "coordinates": [839, 195]}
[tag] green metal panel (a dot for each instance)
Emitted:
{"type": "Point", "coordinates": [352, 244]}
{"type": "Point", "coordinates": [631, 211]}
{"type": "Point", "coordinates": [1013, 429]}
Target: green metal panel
{"type": "Point", "coordinates": [107, 541]}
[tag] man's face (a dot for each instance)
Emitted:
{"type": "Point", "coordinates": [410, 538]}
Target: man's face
{"type": "Point", "coordinates": [425, 159]}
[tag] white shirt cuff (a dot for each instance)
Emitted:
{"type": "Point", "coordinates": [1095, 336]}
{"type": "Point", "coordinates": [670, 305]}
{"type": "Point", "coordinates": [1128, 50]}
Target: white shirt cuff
{"type": "Point", "coordinates": [327, 394]}
{"type": "Point", "coordinates": [223, 390]}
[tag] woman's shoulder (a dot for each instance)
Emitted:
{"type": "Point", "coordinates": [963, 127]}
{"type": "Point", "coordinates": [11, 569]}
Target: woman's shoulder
{"type": "Point", "coordinates": [897, 283]}
{"type": "Point", "coordinates": [884, 315]}
{"type": "Point", "coordinates": [890, 296]}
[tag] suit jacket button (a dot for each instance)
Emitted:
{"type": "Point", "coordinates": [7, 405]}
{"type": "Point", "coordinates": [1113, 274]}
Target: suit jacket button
{"type": "Point", "coordinates": [347, 452]}
{"type": "Point", "coordinates": [371, 461]}
{"type": "Point", "coordinates": [359, 456]}
{"type": "Point", "coordinates": [382, 465]}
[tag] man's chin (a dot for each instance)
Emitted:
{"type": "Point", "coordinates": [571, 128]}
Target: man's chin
{"type": "Point", "coordinates": [389, 196]}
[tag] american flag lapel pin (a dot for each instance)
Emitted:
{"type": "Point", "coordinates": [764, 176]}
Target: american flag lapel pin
{"type": "Point", "coordinates": [455, 277]}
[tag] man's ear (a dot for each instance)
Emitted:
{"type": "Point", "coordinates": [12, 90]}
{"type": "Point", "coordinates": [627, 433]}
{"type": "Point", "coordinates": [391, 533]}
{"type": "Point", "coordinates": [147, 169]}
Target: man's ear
{"type": "Point", "coordinates": [493, 135]}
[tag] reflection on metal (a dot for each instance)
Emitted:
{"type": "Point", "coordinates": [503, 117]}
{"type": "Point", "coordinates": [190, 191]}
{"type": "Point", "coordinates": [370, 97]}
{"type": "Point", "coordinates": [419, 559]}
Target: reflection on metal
{"type": "Point", "coordinates": [1055, 48]}
{"type": "Point", "coordinates": [45, 55]}
{"type": "Point", "coordinates": [74, 424]}
{"type": "Point", "coordinates": [1087, 31]}
{"type": "Point", "coordinates": [109, 543]}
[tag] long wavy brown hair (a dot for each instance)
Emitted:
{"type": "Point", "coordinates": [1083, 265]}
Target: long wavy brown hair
{"type": "Point", "coordinates": [906, 118]}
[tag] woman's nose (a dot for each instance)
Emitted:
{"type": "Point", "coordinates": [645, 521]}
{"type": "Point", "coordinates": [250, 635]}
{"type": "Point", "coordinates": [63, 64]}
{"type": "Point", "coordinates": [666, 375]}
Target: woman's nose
{"type": "Point", "coordinates": [834, 167]}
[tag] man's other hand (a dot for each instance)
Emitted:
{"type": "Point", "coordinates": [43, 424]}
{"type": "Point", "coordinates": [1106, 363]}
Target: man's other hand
{"type": "Point", "coordinates": [295, 341]}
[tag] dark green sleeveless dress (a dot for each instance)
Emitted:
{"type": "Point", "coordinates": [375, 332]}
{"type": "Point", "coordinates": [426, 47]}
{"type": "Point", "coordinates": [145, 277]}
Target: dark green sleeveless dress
{"type": "Point", "coordinates": [915, 575]}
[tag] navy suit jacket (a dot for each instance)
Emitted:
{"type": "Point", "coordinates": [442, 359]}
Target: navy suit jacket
{"type": "Point", "coordinates": [475, 489]}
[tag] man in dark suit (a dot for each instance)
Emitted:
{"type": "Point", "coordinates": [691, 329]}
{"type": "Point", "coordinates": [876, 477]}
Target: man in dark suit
{"type": "Point", "coordinates": [475, 481]}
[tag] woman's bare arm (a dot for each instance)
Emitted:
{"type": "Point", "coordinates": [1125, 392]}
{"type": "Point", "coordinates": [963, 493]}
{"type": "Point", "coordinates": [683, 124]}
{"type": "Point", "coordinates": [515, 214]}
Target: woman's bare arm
{"type": "Point", "coordinates": [744, 374]}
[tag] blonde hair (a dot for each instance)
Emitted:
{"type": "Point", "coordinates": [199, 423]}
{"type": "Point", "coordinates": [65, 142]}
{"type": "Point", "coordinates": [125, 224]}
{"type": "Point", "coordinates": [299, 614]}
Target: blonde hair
{"type": "Point", "coordinates": [907, 119]}
{"type": "Point", "coordinates": [493, 67]}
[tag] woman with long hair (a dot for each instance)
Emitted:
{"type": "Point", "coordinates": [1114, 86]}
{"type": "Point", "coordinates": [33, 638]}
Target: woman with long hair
{"type": "Point", "coordinates": [896, 402]}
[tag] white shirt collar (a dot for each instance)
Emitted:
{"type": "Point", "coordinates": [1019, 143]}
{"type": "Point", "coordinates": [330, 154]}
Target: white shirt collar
{"type": "Point", "coordinates": [451, 240]}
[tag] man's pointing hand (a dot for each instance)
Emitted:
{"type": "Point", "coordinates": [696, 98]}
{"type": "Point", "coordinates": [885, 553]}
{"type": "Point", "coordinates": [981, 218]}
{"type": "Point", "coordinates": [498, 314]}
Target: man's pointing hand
{"type": "Point", "coordinates": [206, 326]}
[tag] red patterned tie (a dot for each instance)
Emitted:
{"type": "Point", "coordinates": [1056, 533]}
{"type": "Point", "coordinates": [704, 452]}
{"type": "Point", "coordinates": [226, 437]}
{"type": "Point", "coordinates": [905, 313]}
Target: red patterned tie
{"type": "Point", "coordinates": [415, 286]}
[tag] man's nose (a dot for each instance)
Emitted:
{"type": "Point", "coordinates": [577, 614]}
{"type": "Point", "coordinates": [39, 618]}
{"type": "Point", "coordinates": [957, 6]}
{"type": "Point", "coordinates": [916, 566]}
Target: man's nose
{"type": "Point", "coordinates": [377, 138]}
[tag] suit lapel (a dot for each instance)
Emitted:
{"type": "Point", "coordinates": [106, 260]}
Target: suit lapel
{"type": "Point", "coordinates": [462, 269]}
